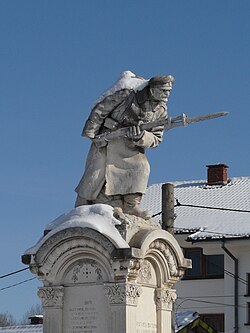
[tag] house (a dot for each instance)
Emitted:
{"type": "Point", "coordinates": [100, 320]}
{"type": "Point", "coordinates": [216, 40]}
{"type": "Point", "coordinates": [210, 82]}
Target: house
{"type": "Point", "coordinates": [212, 225]}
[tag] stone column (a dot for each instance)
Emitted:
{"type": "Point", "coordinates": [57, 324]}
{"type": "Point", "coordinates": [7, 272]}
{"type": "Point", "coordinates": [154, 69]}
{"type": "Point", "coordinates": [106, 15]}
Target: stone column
{"type": "Point", "coordinates": [164, 299]}
{"type": "Point", "coordinates": [52, 301]}
{"type": "Point", "coordinates": [123, 298]}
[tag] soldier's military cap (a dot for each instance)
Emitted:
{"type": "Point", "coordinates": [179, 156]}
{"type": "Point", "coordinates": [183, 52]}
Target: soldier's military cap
{"type": "Point", "coordinates": [161, 80]}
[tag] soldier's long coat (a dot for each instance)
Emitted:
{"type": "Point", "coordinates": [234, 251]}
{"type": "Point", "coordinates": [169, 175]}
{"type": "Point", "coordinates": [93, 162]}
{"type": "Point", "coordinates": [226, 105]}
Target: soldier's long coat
{"type": "Point", "coordinates": [121, 166]}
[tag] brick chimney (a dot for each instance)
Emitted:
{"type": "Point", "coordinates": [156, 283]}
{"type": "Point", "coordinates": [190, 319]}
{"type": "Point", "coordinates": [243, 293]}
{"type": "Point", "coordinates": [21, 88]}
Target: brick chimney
{"type": "Point", "coordinates": [217, 174]}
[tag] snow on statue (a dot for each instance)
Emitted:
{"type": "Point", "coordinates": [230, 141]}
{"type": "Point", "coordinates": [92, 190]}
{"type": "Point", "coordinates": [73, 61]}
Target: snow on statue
{"type": "Point", "coordinates": [117, 171]}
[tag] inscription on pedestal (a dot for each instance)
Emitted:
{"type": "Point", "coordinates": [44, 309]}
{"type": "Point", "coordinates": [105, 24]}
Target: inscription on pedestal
{"type": "Point", "coordinates": [86, 310]}
{"type": "Point", "coordinates": [145, 327]}
{"type": "Point", "coordinates": [83, 319]}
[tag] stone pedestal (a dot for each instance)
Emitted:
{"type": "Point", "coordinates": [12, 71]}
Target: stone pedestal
{"type": "Point", "coordinates": [91, 285]}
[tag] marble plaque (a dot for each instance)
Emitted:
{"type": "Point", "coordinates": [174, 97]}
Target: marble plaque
{"type": "Point", "coordinates": [86, 310]}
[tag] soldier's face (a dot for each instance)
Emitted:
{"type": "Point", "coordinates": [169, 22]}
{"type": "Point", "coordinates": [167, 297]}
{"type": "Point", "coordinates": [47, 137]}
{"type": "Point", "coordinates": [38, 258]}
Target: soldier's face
{"type": "Point", "coordinates": [160, 93]}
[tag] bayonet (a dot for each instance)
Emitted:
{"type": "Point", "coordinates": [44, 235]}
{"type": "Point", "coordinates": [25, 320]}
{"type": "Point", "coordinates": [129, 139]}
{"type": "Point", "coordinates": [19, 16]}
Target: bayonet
{"type": "Point", "coordinates": [171, 122]}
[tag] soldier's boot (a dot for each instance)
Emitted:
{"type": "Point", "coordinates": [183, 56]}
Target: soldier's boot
{"type": "Point", "coordinates": [132, 206]}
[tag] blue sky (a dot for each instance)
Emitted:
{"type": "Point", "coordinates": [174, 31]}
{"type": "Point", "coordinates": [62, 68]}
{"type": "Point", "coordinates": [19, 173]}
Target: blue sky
{"type": "Point", "coordinates": [58, 56]}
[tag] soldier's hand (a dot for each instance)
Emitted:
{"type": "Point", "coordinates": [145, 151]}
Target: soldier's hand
{"type": "Point", "coordinates": [135, 133]}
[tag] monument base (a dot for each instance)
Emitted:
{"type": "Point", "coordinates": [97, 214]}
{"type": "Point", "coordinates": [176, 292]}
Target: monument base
{"type": "Point", "coordinates": [101, 282]}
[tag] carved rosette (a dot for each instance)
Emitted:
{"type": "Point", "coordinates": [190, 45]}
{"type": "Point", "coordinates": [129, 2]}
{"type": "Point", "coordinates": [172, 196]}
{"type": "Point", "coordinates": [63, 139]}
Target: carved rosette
{"type": "Point", "coordinates": [51, 296]}
{"type": "Point", "coordinates": [164, 298]}
{"type": "Point", "coordinates": [145, 273]}
{"type": "Point", "coordinates": [123, 293]}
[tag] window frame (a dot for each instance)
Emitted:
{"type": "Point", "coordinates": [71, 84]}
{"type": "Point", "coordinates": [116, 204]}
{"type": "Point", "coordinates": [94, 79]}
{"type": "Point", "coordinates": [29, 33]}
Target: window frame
{"type": "Point", "coordinates": [248, 284]}
{"type": "Point", "coordinates": [219, 317]}
{"type": "Point", "coordinates": [247, 314]}
{"type": "Point", "coordinates": [204, 266]}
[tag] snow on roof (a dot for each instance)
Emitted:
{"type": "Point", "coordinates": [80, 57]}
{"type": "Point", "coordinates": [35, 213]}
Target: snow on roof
{"type": "Point", "coordinates": [206, 223]}
{"type": "Point", "coordinates": [98, 217]}
{"type": "Point", "coordinates": [22, 329]}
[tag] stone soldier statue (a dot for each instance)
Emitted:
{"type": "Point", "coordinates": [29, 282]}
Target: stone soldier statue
{"type": "Point", "coordinates": [117, 171]}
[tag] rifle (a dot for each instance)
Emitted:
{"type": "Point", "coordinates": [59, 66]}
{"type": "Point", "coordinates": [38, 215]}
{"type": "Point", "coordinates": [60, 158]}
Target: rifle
{"type": "Point", "coordinates": [171, 122]}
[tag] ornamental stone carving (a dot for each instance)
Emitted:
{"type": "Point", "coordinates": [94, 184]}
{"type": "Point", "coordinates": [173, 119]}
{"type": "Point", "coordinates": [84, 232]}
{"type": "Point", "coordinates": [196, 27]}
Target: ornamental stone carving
{"type": "Point", "coordinates": [86, 270]}
{"type": "Point", "coordinates": [115, 293]}
{"type": "Point", "coordinates": [164, 298]}
{"type": "Point", "coordinates": [133, 292]}
{"type": "Point", "coordinates": [170, 258]}
{"type": "Point", "coordinates": [145, 274]}
{"type": "Point", "coordinates": [134, 267]}
{"type": "Point", "coordinates": [123, 293]}
{"type": "Point", "coordinates": [51, 296]}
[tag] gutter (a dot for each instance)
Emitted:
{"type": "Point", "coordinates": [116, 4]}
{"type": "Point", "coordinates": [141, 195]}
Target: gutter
{"type": "Point", "coordinates": [210, 239]}
{"type": "Point", "coordinates": [236, 289]}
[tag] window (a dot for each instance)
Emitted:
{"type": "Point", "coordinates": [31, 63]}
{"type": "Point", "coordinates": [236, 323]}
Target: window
{"type": "Point", "coordinates": [248, 314]}
{"type": "Point", "coordinates": [248, 285]}
{"type": "Point", "coordinates": [215, 320]}
{"type": "Point", "coordinates": [214, 264]}
{"type": "Point", "coordinates": [204, 266]}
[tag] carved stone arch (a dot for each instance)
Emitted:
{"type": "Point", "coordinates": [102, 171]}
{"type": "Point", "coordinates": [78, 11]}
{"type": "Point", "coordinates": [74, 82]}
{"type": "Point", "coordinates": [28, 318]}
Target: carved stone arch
{"type": "Point", "coordinates": [156, 259]}
{"type": "Point", "coordinates": [65, 248]}
{"type": "Point", "coordinates": [161, 247]}
{"type": "Point", "coordinates": [74, 258]}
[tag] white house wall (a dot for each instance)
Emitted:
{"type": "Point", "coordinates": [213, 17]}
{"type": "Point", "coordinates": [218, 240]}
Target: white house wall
{"type": "Point", "coordinates": [223, 289]}
{"type": "Point", "coordinates": [202, 291]}
{"type": "Point", "coordinates": [241, 250]}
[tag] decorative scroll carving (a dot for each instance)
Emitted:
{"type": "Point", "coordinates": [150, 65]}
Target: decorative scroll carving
{"type": "Point", "coordinates": [164, 298]}
{"type": "Point", "coordinates": [123, 293]}
{"type": "Point", "coordinates": [51, 296]}
{"type": "Point", "coordinates": [88, 269]}
{"type": "Point", "coordinates": [115, 293]}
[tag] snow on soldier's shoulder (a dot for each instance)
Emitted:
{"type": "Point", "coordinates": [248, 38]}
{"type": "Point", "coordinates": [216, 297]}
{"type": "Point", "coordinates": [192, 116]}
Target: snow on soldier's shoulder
{"type": "Point", "coordinates": [126, 81]}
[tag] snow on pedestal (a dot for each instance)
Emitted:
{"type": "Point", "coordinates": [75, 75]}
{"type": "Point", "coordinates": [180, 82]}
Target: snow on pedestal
{"type": "Point", "coordinates": [97, 217]}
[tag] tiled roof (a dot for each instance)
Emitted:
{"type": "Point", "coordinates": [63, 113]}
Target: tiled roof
{"type": "Point", "coordinates": [206, 223]}
{"type": "Point", "coordinates": [22, 329]}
